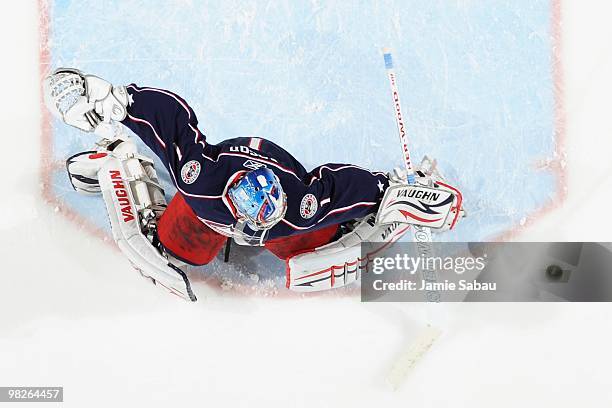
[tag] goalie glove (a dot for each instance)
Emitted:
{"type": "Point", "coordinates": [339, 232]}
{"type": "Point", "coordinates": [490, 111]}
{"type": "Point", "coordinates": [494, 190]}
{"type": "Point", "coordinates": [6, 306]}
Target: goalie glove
{"type": "Point", "coordinates": [84, 101]}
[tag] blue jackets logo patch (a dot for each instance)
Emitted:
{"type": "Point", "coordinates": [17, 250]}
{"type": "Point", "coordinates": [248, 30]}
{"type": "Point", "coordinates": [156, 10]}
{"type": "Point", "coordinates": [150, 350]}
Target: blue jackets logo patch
{"type": "Point", "coordinates": [190, 171]}
{"type": "Point", "coordinates": [308, 206]}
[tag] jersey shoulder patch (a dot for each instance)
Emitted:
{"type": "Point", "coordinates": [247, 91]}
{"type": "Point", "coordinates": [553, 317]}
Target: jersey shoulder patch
{"type": "Point", "coordinates": [190, 171]}
{"type": "Point", "coordinates": [309, 206]}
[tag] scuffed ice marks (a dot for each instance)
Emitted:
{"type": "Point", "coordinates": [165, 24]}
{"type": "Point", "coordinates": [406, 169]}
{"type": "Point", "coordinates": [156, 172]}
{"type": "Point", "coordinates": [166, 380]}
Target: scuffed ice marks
{"type": "Point", "coordinates": [475, 77]}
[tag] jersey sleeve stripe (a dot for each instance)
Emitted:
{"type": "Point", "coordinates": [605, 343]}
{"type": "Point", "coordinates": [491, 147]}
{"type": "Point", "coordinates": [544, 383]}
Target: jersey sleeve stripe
{"type": "Point", "coordinates": [179, 100]}
{"type": "Point", "coordinates": [344, 167]}
{"type": "Point", "coordinates": [255, 143]}
{"type": "Point", "coordinates": [347, 208]}
{"type": "Point", "coordinates": [138, 120]}
{"type": "Point", "coordinates": [336, 211]}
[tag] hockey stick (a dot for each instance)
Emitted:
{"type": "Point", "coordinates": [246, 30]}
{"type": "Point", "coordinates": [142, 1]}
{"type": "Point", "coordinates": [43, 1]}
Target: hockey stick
{"type": "Point", "coordinates": [421, 236]}
{"type": "Point", "coordinates": [399, 117]}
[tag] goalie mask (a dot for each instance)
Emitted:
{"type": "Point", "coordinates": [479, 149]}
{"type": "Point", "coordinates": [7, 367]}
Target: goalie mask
{"type": "Point", "coordinates": [259, 199]}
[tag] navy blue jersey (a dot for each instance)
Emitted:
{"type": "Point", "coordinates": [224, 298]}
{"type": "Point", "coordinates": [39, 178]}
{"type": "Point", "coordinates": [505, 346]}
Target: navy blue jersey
{"type": "Point", "coordinates": [202, 172]}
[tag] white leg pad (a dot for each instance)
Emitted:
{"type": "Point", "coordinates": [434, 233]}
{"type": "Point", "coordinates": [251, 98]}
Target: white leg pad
{"type": "Point", "coordinates": [341, 262]}
{"type": "Point", "coordinates": [122, 185]}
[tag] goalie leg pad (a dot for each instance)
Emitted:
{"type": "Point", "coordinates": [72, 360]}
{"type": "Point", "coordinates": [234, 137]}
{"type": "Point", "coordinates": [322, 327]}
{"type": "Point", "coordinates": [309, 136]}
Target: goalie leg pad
{"type": "Point", "coordinates": [341, 262]}
{"type": "Point", "coordinates": [122, 183]}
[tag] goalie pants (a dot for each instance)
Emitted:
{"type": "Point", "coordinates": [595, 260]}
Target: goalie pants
{"type": "Point", "coordinates": [188, 239]}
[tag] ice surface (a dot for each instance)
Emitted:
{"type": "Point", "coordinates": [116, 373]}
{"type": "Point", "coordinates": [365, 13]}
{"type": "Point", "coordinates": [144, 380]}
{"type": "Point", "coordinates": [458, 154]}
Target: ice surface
{"type": "Point", "coordinates": [75, 314]}
{"type": "Point", "coordinates": [476, 81]}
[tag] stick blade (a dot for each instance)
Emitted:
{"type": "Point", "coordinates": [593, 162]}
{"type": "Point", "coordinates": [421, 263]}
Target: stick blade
{"type": "Point", "coordinates": [411, 355]}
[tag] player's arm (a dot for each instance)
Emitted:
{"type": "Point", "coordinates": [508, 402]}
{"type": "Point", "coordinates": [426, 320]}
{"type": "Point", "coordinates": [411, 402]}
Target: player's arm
{"type": "Point", "coordinates": [164, 122]}
{"type": "Point", "coordinates": [127, 180]}
{"type": "Point", "coordinates": [160, 118]}
{"type": "Point", "coordinates": [333, 194]}
{"type": "Point", "coordinates": [337, 193]}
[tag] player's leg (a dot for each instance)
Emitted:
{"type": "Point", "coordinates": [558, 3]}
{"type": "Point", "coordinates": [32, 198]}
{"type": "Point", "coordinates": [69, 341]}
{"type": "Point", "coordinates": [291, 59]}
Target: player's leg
{"type": "Point", "coordinates": [185, 237]}
{"type": "Point", "coordinates": [287, 247]}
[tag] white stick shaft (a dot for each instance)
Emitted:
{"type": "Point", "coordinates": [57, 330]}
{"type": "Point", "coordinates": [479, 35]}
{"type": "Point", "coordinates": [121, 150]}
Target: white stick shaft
{"type": "Point", "coordinates": [399, 117]}
{"type": "Point", "coordinates": [421, 234]}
